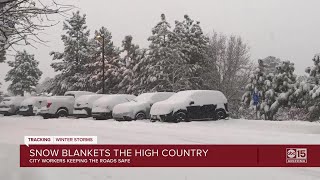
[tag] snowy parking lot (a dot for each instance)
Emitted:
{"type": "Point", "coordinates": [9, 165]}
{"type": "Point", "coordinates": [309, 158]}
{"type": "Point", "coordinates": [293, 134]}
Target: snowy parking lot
{"type": "Point", "coordinates": [12, 130]}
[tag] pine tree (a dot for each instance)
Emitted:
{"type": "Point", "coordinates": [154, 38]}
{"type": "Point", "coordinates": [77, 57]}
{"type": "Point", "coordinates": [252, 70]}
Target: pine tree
{"type": "Point", "coordinates": [24, 75]}
{"type": "Point", "coordinates": [273, 90]}
{"type": "Point", "coordinates": [1, 93]}
{"type": "Point", "coordinates": [71, 63]}
{"type": "Point", "coordinates": [279, 94]}
{"type": "Point", "coordinates": [307, 93]}
{"type": "Point", "coordinates": [162, 67]}
{"type": "Point", "coordinates": [132, 56]}
{"type": "Point", "coordinates": [55, 86]}
{"type": "Point", "coordinates": [256, 89]}
{"type": "Point", "coordinates": [271, 64]}
{"type": "Point", "coordinates": [112, 63]}
{"type": "Point", "coordinates": [192, 43]}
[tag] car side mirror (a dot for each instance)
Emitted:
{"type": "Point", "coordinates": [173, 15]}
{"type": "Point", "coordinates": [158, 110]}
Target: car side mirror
{"type": "Point", "coordinates": [191, 103]}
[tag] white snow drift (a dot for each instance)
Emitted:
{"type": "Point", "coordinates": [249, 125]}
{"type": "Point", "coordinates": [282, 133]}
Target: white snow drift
{"type": "Point", "coordinates": [13, 129]}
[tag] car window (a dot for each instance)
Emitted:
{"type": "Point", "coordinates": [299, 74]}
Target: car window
{"type": "Point", "coordinates": [69, 95]}
{"type": "Point", "coordinates": [200, 98]}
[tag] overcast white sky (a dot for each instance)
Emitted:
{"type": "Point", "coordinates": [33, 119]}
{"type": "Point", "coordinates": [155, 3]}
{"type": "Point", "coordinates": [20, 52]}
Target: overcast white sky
{"type": "Point", "coordinates": [287, 29]}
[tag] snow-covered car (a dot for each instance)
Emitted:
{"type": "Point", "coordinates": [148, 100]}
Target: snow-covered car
{"type": "Point", "coordinates": [10, 105]}
{"type": "Point", "coordinates": [31, 105]}
{"type": "Point", "coordinates": [61, 106]}
{"type": "Point", "coordinates": [103, 107]}
{"type": "Point", "coordinates": [191, 105]}
{"type": "Point", "coordinates": [139, 108]}
{"type": "Point", "coordinates": [83, 105]}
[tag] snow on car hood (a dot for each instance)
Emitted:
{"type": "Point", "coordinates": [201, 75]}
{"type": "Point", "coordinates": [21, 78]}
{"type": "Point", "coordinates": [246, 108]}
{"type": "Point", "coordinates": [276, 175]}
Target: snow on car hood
{"type": "Point", "coordinates": [87, 100]}
{"type": "Point", "coordinates": [131, 106]}
{"type": "Point", "coordinates": [168, 106]}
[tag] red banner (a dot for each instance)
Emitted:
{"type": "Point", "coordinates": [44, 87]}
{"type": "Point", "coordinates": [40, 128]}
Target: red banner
{"type": "Point", "coordinates": [170, 156]}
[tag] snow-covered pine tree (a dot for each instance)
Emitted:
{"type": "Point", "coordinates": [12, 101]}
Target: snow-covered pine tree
{"type": "Point", "coordinates": [24, 75]}
{"type": "Point", "coordinates": [132, 56]}
{"type": "Point", "coordinates": [55, 86]}
{"type": "Point", "coordinates": [162, 69]}
{"type": "Point", "coordinates": [1, 93]}
{"type": "Point", "coordinates": [271, 64]}
{"type": "Point", "coordinates": [279, 94]}
{"type": "Point", "coordinates": [309, 91]}
{"type": "Point", "coordinates": [256, 88]}
{"type": "Point", "coordinates": [43, 86]}
{"type": "Point", "coordinates": [192, 43]}
{"type": "Point", "coordinates": [112, 63]}
{"type": "Point", "coordinates": [71, 62]}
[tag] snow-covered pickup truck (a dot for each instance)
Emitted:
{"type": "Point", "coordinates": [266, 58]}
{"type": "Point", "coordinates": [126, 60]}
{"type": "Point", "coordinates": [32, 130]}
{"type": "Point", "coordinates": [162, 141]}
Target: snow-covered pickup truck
{"type": "Point", "coordinates": [61, 106]}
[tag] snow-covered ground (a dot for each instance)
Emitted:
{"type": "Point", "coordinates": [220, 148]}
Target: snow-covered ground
{"type": "Point", "coordinates": [12, 130]}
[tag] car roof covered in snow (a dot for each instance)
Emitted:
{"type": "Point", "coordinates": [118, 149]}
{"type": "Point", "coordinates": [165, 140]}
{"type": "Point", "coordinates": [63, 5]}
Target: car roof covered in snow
{"type": "Point", "coordinates": [113, 99]}
{"type": "Point", "coordinates": [191, 94]}
{"type": "Point", "coordinates": [153, 97]}
{"type": "Point", "coordinates": [87, 98]}
{"type": "Point", "coordinates": [77, 93]}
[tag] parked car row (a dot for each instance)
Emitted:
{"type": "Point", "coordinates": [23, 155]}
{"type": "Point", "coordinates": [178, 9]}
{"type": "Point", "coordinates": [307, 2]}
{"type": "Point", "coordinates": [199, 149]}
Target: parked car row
{"type": "Point", "coordinates": [158, 106]}
{"type": "Point", "coordinates": [10, 105]}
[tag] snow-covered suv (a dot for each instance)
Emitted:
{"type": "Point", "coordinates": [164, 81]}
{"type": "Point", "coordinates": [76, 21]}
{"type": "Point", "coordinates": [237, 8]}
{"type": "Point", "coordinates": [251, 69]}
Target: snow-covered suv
{"type": "Point", "coordinates": [103, 107]}
{"type": "Point", "coordinates": [139, 108]}
{"type": "Point", "coordinates": [10, 105]}
{"type": "Point", "coordinates": [191, 105]}
{"type": "Point", "coordinates": [83, 105]}
{"type": "Point", "coordinates": [61, 106]}
{"type": "Point", "coordinates": [31, 105]}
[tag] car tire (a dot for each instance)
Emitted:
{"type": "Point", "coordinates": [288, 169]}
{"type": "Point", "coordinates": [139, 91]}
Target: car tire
{"type": "Point", "coordinates": [62, 113]}
{"type": "Point", "coordinates": [180, 116]}
{"type": "Point", "coordinates": [220, 114]}
{"type": "Point", "coordinates": [140, 116]}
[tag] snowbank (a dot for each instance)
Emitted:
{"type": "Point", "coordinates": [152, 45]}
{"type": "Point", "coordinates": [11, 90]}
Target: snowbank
{"type": "Point", "coordinates": [144, 132]}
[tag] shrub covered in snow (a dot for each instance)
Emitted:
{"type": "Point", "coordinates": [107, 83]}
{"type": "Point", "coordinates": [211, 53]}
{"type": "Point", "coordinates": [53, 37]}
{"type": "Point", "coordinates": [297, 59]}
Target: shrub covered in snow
{"type": "Point", "coordinates": [279, 93]}
{"type": "Point", "coordinates": [272, 91]}
{"type": "Point", "coordinates": [256, 88]}
{"type": "Point", "coordinates": [307, 93]}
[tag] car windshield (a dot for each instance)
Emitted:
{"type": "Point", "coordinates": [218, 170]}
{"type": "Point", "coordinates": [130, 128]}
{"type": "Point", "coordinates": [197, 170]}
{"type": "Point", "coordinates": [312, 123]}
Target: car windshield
{"type": "Point", "coordinates": [69, 95]}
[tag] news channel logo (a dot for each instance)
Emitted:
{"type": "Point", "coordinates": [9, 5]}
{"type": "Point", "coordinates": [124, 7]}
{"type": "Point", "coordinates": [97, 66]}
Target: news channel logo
{"type": "Point", "coordinates": [296, 155]}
